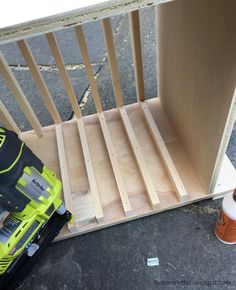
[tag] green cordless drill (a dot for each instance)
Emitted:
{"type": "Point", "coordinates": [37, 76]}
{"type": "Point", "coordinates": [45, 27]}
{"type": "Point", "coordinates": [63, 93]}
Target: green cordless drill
{"type": "Point", "coordinates": [35, 213]}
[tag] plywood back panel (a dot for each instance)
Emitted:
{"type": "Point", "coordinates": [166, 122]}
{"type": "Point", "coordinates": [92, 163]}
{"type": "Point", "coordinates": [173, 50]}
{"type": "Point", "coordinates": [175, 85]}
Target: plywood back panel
{"type": "Point", "coordinates": [197, 76]}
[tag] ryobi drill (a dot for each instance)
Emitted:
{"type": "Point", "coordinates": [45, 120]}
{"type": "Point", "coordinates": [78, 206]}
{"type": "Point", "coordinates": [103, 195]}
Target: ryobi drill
{"type": "Point", "coordinates": [30, 193]}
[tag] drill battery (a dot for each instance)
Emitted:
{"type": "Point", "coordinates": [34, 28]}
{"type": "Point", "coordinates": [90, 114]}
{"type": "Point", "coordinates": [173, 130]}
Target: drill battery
{"type": "Point", "coordinates": [30, 193]}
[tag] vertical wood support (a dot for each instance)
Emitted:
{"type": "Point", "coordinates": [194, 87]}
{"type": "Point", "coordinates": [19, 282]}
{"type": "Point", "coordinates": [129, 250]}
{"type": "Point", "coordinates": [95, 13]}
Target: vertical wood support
{"type": "Point", "coordinates": [102, 119]}
{"type": "Point", "coordinates": [165, 156]}
{"type": "Point", "coordinates": [64, 173]}
{"type": "Point", "coordinates": [115, 166]}
{"type": "Point", "coordinates": [27, 54]}
{"type": "Point", "coordinates": [7, 119]}
{"type": "Point", "coordinates": [137, 53]}
{"type": "Point", "coordinates": [107, 32]}
{"type": "Point", "coordinates": [90, 172]}
{"type": "Point", "coordinates": [19, 95]}
{"type": "Point", "coordinates": [63, 73]}
{"type": "Point", "coordinates": [153, 197]}
{"type": "Point", "coordinates": [88, 66]}
{"type": "Point", "coordinates": [83, 138]}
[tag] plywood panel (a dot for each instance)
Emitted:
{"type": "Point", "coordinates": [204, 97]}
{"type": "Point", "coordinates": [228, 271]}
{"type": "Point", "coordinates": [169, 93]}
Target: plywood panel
{"type": "Point", "coordinates": [44, 16]}
{"type": "Point", "coordinates": [197, 75]}
{"type": "Point", "coordinates": [82, 201]}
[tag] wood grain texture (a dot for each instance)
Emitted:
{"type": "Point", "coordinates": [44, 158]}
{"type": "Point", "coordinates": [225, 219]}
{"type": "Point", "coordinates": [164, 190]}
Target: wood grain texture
{"type": "Point", "coordinates": [109, 195]}
{"type": "Point", "coordinates": [64, 173]}
{"type": "Point", "coordinates": [63, 73]}
{"type": "Point", "coordinates": [78, 16]}
{"type": "Point", "coordinates": [88, 66]}
{"type": "Point", "coordinates": [16, 90]}
{"type": "Point", "coordinates": [152, 194]}
{"type": "Point", "coordinates": [90, 172]}
{"type": "Point", "coordinates": [137, 53]}
{"type": "Point", "coordinates": [115, 165]}
{"type": "Point", "coordinates": [7, 120]}
{"type": "Point", "coordinates": [115, 77]}
{"type": "Point", "coordinates": [165, 156]}
{"type": "Point", "coordinates": [36, 74]}
{"type": "Point", "coordinates": [197, 71]}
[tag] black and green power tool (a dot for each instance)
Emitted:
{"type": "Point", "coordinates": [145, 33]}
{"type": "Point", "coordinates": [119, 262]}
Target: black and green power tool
{"type": "Point", "coordinates": [30, 199]}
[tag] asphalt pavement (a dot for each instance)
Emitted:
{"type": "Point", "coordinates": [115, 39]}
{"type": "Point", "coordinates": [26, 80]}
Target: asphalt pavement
{"type": "Point", "coordinates": [190, 256]}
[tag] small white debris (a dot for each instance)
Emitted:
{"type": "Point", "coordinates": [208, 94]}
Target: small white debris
{"type": "Point", "coordinates": [152, 262]}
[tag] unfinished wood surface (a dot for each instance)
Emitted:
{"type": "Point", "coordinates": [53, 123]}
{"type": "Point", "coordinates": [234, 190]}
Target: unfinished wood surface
{"type": "Point", "coordinates": [115, 165]}
{"type": "Point", "coordinates": [226, 178]}
{"type": "Point", "coordinates": [43, 89]}
{"type": "Point", "coordinates": [90, 172]}
{"type": "Point", "coordinates": [137, 53]}
{"type": "Point", "coordinates": [63, 73]}
{"type": "Point", "coordinates": [196, 78]}
{"type": "Point", "coordinates": [165, 156]}
{"type": "Point", "coordinates": [140, 160]}
{"type": "Point", "coordinates": [64, 172]}
{"type": "Point", "coordinates": [41, 19]}
{"type": "Point", "coordinates": [109, 42]}
{"type": "Point", "coordinates": [109, 198]}
{"type": "Point", "coordinates": [7, 120]}
{"type": "Point", "coordinates": [89, 68]}
{"type": "Point", "coordinates": [16, 90]}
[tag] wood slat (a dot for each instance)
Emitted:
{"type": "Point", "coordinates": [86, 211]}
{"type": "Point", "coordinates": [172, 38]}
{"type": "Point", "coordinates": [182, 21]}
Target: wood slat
{"type": "Point", "coordinates": [43, 89]}
{"type": "Point", "coordinates": [115, 165]}
{"type": "Point", "coordinates": [7, 119]}
{"type": "Point", "coordinates": [153, 197]}
{"type": "Point", "coordinates": [64, 173]}
{"type": "Point", "coordinates": [63, 73]}
{"type": "Point", "coordinates": [137, 53]}
{"type": "Point", "coordinates": [19, 95]}
{"type": "Point", "coordinates": [90, 172]}
{"type": "Point", "coordinates": [89, 68]}
{"type": "Point", "coordinates": [165, 156]}
{"type": "Point", "coordinates": [108, 37]}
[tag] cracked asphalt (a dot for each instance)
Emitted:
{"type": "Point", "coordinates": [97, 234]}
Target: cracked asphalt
{"type": "Point", "coordinates": [190, 255]}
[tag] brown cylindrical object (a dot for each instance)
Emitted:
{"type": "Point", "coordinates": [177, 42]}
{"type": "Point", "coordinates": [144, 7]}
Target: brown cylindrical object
{"type": "Point", "coordinates": [225, 229]}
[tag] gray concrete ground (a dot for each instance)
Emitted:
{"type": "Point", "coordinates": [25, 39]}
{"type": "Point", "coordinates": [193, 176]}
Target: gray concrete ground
{"type": "Point", "coordinates": [115, 258]}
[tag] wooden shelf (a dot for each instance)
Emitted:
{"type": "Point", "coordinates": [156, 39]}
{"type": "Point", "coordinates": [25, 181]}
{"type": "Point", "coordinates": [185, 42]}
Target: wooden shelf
{"type": "Point", "coordinates": [80, 196]}
{"type": "Point", "coordinates": [153, 155]}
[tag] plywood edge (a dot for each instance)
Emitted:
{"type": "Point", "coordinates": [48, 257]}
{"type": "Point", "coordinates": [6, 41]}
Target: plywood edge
{"type": "Point", "coordinates": [226, 181]}
{"type": "Point", "coordinates": [72, 18]}
{"type": "Point", "coordinates": [196, 78]}
{"type": "Point", "coordinates": [108, 197]}
{"type": "Point", "coordinates": [65, 235]}
{"type": "Point", "coordinates": [221, 160]}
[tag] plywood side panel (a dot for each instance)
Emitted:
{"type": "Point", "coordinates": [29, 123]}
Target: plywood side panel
{"type": "Point", "coordinates": [83, 204]}
{"type": "Point", "coordinates": [197, 76]}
